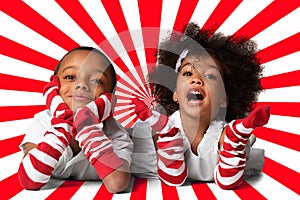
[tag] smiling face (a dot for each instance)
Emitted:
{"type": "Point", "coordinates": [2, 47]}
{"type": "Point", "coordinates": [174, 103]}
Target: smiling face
{"type": "Point", "coordinates": [200, 90]}
{"type": "Point", "coordinates": [84, 76]}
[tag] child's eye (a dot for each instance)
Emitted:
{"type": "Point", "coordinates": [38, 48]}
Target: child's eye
{"type": "Point", "coordinates": [187, 73]}
{"type": "Point", "coordinates": [211, 76]}
{"type": "Point", "coordinates": [97, 81]}
{"type": "Point", "coordinates": [69, 77]}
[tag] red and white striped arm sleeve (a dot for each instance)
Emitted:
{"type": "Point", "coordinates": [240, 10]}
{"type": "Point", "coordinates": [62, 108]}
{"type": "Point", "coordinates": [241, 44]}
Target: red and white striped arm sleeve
{"type": "Point", "coordinates": [171, 165]}
{"type": "Point", "coordinates": [230, 169]}
{"type": "Point", "coordinates": [37, 166]}
{"type": "Point", "coordinates": [94, 143]}
{"type": "Point", "coordinates": [232, 162]}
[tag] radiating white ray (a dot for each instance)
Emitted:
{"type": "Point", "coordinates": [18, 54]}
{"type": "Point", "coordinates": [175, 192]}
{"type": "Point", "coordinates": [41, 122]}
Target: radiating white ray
{"type": "Point", "coordinates": [51, 11]}
{"type": "Point", "coordinates": [129, 89]}
{"type": "Point", "coordinates": [123, 94]}
{"type": "Point", "coordinates": [270, 188]}
{"type": "Point", "coordinates": [168, 17]}
{"type": "Point", "coordinates": [19, 68]}
{"type": "Point", "coordinates": [154, 185]}
{"type": "Point", "coordinates": [126, 122]}
{"type": "Point", "coordinates": [222, 194]}
{"type": "Point", "coordinates": [286, 94]}
{"type": "Point", "coordinates": [124, 101]}
{"type": "Point", "coordinates": [43, 193]}
{"type": "Point", "coordinates": [13, 161]}
{"type": "Point", "coordinates": [139, 79]}
{"type": "Point", "coordinates": [280, 154]}
{"type": "Point", "coordinates": [185, 191]}
{"type": "Point", "coordinates": [281, 65]}
{"type": "Point", "coordinates": [131, 14]}
{"type": "Point", "coordinates": [21, 34]}
{"type": "Point", "coordinates": [203, 10]}
{"type": "Point", "coordinates": [284, 28]}
{"type": "Point", "coordinates": [124, 107]}
{"type": "Point", "coordinates": [14, 128]}
{"type": "Point", "coordinates": [242, 14]}
{"type": "Point", "coordinates": [88, 190]}
{"type": "Point", "coordinates": [284, 123]}
{"type": "Point", "coordinates": [20, 98]}
{"type": "Point", "coordinates": [99, 15]}
{"type": "Point", "coordinates": [105, 25]}
{"type": "Point", "coordinates": [126, 112]}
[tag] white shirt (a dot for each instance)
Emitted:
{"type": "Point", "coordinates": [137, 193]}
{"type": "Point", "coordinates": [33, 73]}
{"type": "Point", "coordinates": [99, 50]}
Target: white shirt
{"type": "Point", "coordinates": [78, 167]}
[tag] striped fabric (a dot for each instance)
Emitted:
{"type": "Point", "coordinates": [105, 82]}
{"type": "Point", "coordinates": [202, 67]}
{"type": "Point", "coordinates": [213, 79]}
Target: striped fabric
{"type": "Point", "coordinates": [171, 166]}
{"type": "Point", "coordinates": [37, 166]}
{"type": "Point", "coordinates": [88, 122]}
{"type": "Point", "coordinates": [230, 169]}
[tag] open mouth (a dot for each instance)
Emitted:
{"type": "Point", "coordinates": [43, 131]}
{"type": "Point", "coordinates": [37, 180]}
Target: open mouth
{"type": "Point", "coordinates": [195, 96]}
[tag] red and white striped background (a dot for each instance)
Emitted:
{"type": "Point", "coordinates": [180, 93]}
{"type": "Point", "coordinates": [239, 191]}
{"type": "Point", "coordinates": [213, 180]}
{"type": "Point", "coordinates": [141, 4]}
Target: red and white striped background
{"type": "Point", "coordinates": [34, 35]}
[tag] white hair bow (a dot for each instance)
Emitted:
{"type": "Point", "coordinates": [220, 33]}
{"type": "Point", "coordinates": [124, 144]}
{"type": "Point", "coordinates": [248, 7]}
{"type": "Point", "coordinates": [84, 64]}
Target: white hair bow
{"type": "Point", "coordinates": [181, 56]}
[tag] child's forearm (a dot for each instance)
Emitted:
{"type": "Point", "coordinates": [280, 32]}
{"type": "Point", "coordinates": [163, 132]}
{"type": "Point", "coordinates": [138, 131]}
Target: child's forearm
{"type": "Point", "coordinates": [171, 165]}
{"type": "Point", "coordinates": [230, 169]}
{"type": "Point", "coordinates": [37, 166]}
{"type": "Point", "coordinates": [88, 122]}
{"type": "Point", "coordinates": [118, 180]}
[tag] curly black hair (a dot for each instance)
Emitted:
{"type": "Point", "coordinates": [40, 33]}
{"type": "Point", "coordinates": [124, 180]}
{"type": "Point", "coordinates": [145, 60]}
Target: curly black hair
{"type": "Point", "coordinates": [236, 55]}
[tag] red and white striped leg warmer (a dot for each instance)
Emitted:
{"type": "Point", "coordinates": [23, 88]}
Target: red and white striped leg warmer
{"type": "Point", "coordinates": [95, 144]}
{"type": "Point", "coordinates": [230, 169]}
{"type": "Point", "coordinates": [171, 165]}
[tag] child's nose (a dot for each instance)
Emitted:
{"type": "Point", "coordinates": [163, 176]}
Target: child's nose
{"type": "Point", "coordinates": [197, 80]}
{"type": "Point", "coordinates": [81, 84]}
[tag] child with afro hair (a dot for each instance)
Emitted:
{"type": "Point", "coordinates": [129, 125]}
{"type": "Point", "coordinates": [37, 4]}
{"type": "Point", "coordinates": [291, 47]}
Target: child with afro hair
{"type": "Point", "coordinates": [203, 113]}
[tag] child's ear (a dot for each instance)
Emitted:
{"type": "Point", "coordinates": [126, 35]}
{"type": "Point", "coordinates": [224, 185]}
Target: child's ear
{"type": "Point", "coordinates": [175, 98]}
{"type": "Point", "coordinates": [224, 102]}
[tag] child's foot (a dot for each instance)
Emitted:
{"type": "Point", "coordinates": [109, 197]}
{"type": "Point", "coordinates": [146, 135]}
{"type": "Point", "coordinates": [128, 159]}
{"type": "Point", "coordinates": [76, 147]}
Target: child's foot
{"type": "Point", "coordinates": [258, 117]}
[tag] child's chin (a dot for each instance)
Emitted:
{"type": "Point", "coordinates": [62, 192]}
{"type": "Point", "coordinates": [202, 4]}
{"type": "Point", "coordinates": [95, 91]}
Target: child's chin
{"type": "Point", "coordinates": [76, 106]}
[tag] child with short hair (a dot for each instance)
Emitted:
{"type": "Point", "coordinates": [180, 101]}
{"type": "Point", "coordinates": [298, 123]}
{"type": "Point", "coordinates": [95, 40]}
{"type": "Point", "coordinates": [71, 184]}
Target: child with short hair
{"type": "Point", "coordinates": [195, 139]}
{"type": "Point", "coordinates": [76, 136]}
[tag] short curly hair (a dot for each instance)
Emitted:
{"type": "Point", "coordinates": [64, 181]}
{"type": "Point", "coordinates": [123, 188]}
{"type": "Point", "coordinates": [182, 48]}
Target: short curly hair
{"type": "Point", "coordinates": [92, 49]}
{"type": "Point", "coordinates": [236, 56]}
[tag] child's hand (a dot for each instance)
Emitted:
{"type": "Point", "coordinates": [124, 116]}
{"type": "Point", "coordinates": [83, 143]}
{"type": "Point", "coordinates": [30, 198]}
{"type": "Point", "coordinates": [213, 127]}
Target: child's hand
{"type": "Point", "coordinates": [94, 112]}
{"type": "Point", "coordinates": [105, 105]}
{"type": "Point", "coordinates": [141, 110]}
{"type": "Point", "coordinates": [258, 117]}
{"type": "Point", "coordinates": [102, 109]}
{"type": "Point", "coordinates": [156, 120]}
{"type": "Point", "coordinates": [51, 94]}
